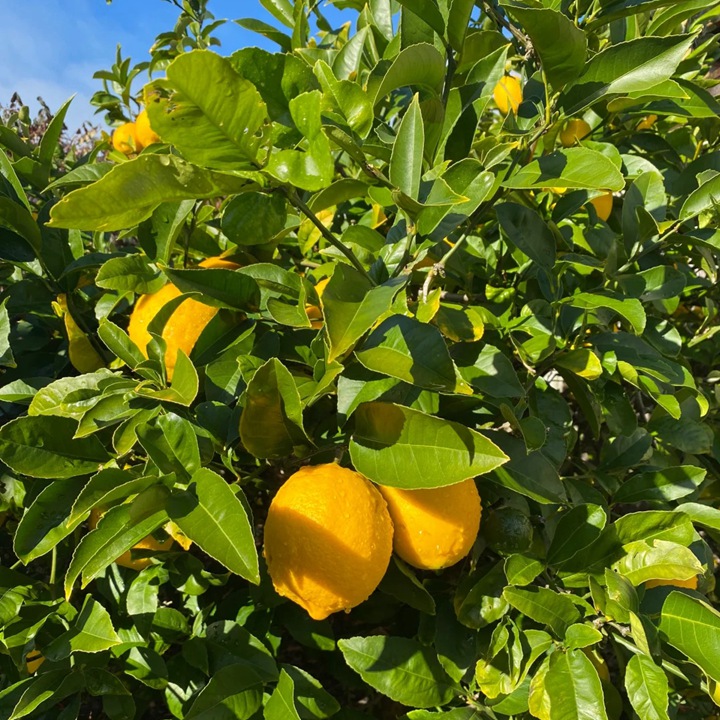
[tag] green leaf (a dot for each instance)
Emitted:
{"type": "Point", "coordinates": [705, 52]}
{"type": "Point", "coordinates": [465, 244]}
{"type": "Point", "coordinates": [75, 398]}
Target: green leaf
{"type": "Point", "coordinates": [419, 65]}
{"type": "Point", "coordinates": [402, 669]}
{"type": "Point", "coordinates": [92, 631]}
{"type": "Point", "coordinates": [626, 67]}
{"type": "Point", "coordinates": [6, 353]}
{"type": "Point", "coordinates": [660, 560]}
{"type": "Point", "coordinates": [219, 287]}
{"type": "Point", "coordinates": [46, 522]}
{"type": "Point", "coordinates": [271, 424]}
{"type": "Point", "coordinates": [131, 273]}
{"type": "Point", "coordinates": [458, 21]}
{"type": "Point", "coordinates": [629, 308]}
{"type": "Point", "coordinates": [407, 155]}
{"type": "Point", "coordinates": [281, 705]}
{"type": "Point", "coordinates": [131, 191]}
{"type": "Point", "coordinates": [216, 124]}
{"type": "Point", "coordinates": [544, 606]}
{"type": "Point", "coordinates": [705, 198]}
{"type": "Point", "coordinates": [400, 582]}
{"type": "Point", "coordinates": [234, 691]}
{"type": "Point", "coordinates": [254, 218]}
{"type": "Point", "coordinates": [71, 397]}
{"type": "Point", "coordinates": [45, 447]}
{"type": "Point", "coordinates": [576, 168]}
{"type": "Point", "coordinates": [560, 44]}
{"type": "Point", "coordinates": [171, 443]}
{"type": "Point", "coordinates": [410, 350]}
{"type": "Point", "coordinates": [526, 229]}
{"type": "Point", "coordinates": [647, 688]}
{"type": "Point", "coordinates": [693, 627]}
{"type": "Point", "coordinates": [118, 531]}
{"type": "Point", "coordinates": [17, 218]}
{"type": "Point", "coordinates": [157, 234]}
{"type": "Point", "coordinates": [351, 306]}
{"type": "Point", "coordinates": [214, 518]}
{"type": "Point", "coordinates": [311, 700]}
{"type": "Point", "coordinates": [312, 169]}
{"type": "Point", "coordinates": [119, 343]}
{"type": "Point", "coordinates": [578, 528]}
{"type": "Point", "coordinates": [401, 447]}
{"type": "Point", "coordinates": [47, 690]}
{"type": "Point", "coordinates": [488, 370]}
{"type": "Point", "coordinates": [428, 12]}
{"type": "Point", "coordinates": [570, 689]}
{"type": "Point", "coordinates": [666, 485]}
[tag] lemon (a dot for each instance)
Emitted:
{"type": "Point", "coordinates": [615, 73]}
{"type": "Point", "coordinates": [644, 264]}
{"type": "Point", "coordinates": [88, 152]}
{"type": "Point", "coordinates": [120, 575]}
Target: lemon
{"type": "Point", "coordinates": [507, 531]}
{"type": "Point", "coordinates": [603, 205]}
{"type": "Point", "coordinates": [574, 131]}
{"type": "Point", "coordinates": [647, 122]}
{"type": "Point", "coordinates": [328, 539]}
{"type": "Point", "coordinates": [147, 543]}
{"type": "Point", "coordinates": [508, 94]}
{"type": "Point", "coordinates": [124, 139]}
{"type": "Point", "coordinates": [313, 311]}
{"type": "Point", "coordinates": [185, 325]}
{"type": "Point", "coordinates": [436, 527]}
{"type": "Point", "coordinates": [143, 132]}
{"type": "Point", "coordinates": [33, 660]}
{"type": "Point", "coordinates": [691, 584]}
{"type": "Point", "coordinates": [599, 664]}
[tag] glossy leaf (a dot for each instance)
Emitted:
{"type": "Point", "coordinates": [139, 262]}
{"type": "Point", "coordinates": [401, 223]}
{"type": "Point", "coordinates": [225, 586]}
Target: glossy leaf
{"type": "Point", "coordinates": [647, 688]}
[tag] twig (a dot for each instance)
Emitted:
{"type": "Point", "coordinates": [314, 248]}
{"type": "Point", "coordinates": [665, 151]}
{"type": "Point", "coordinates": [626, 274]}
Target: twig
{"type": "Point", "coordinates": [297, 201]}
{"type": "Point", "coordinates": [500, 20]}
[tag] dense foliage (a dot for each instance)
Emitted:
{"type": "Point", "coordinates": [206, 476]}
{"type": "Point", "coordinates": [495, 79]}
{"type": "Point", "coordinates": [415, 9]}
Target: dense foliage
{"type": "Point", "coordinates": [486, 316]}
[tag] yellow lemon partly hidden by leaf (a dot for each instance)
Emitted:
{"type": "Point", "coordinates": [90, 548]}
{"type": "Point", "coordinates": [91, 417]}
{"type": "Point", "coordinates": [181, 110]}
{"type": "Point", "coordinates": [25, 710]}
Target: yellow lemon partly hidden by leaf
{"type": "Point", "coordinates": [328, 539]}
{"type": "Point", "coordinates": [436, 527]}
{"type": "Point", "coordinates": [647, 122]}
{"type": "Point", "coordinates": [599, 664]}
{"type": "Point", "coordinates": [691, 584]}
{"type": "Point", "coordinates": [185, 325]}
{"type": "Point", "coordinates": [81, 352]}
{"type": "Point", "coordinates": [144, 134]}
{"type": "Point", "coordinates": [124, 139]}
{"type": "Point", "coordinates": [148, 543]}
{"type": "Point", "coordinates": [313, 311]}
{"type": "Point", "coordinates": [33, 660]}
{"type": "Point", "coordinates": [603, 205]}
{"type": "Point", "coordinates": [574, 131]}
{"type": "Point", "coordinates": [508, 94]}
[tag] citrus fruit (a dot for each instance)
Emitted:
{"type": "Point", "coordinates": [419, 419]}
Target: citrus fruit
{"type": "Point", "coordinates": [33, 660]}
{"type": "Point", "coordinates": [574, 131]}
{"type": "Point", "coordinates": [328, 539]}
{"type": "Point", "coordinates": [185, 325]}
{"type": "Point", "coordinates": [436, 527]}
{"type": "Point", "coordinates": [313, 311]}
{"type": "Point", "coordinates": [143, 132]}
{"type": "Point", "coordinates": [124, 139]}
{"type": "Point", "coordinates": [691, 584]}
{"type": "Point", "coordinates": [508, 94]}
{"type": "Point", "coordinates": [507, 530]}
{"type": "Point", "coordinates": [598, 663]}
{"type": "Point", "coordinates": [647, 122]}
{"type": "Point", "coordinates": [126, 559]}
{"type": "Point", "coordinates": [603, 205]}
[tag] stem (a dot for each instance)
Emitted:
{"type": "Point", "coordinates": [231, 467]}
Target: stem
{"type": "Point", "coordinates": [53, 571]}
{"type": "Point", "coordinates": [500, 20]}
{"type": "Point", "coordinates": [297, 201]}
{"type": "Point", "coordinates": [451, 67]}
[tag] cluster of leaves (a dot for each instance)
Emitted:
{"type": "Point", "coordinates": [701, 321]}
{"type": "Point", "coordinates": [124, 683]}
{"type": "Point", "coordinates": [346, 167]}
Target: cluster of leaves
{"type": "Point", "coordinates": [480, 320]}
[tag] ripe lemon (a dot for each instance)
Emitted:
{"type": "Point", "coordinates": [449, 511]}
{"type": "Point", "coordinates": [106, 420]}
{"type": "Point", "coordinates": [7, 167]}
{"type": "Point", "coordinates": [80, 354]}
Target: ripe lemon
{"type": "Point", "coordinates": [143, 132]}
{"type": "Point", "coordinates": [328, 539]}
{"type": "Point", "coordinates": [434, 528]}
{"type": "Point", "coordinates": [691, 584]}
{"type": "Point", "coordinates": [603, 205]}
{"type": "Point", "coordinates": [147, 543]}
{"type": "Point", "coordinates": [124, 139]}
{"type": "Point", "coordinates": [313, 311]}
{"type": "Point", "coordinates": [647, 122]}
{"type": "Point", "coordinates": [508, 94]}
{"type": "Point", "coordinates": [574, 131]}
{"type": "Point", "coordinates": [185, 325]}
{"type": "Point", "coordinates": [33, 660]}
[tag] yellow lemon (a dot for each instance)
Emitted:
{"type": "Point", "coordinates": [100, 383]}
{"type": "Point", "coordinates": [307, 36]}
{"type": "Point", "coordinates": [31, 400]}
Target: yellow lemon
{"type": "Point", "coordinates": [33, 660]}
{"type": "Point", "coordinates": [603, 205]}
{"type": "Point", "coordinates": [328, 539]}
{"type": "Point", "coordinates": [691, 584]}
{"type": "Point", "coordinates": [434, 528]}
{"type": "Point", "coordinates": [508, 94]}
{"type": "Point", "coordinates": [144, 134]}
{"type": "Point", "coordinates": [185, 325]}
{"type": "Point", "coordinates": [647, 122]}
{"type": "Point", "coordinates": [124, 139]}
{"type": "Point", "coordinates": [599, 663]}
{"type": "Point", "coordinates": [313, 311]}
{"type": "Point", "coordinates": [574, 131]}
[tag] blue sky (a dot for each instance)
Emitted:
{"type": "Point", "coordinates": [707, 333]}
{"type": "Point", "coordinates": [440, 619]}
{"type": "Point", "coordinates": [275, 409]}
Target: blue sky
{"type": "Point", "coordinates": [52, 48]}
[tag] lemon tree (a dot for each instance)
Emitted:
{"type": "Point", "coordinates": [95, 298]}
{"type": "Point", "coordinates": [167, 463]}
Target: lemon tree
{"type": "Point", "coordinates": [374, 376]}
